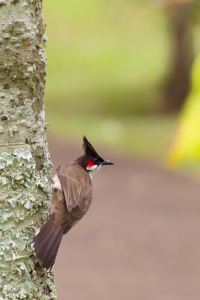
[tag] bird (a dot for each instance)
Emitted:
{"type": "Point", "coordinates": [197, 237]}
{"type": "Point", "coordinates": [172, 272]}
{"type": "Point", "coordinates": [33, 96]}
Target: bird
{"type": "Point", "coordinates": [71, 198]}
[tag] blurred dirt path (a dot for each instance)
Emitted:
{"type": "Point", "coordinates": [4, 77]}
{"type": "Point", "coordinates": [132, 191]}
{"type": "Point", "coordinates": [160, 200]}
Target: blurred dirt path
{"type": "Point", "coordinates": [139, 240]}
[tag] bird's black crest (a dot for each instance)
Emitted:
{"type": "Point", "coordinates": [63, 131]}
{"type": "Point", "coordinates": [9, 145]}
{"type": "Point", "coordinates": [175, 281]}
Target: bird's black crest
{"type": "Point", "coordinates": [89, 150]}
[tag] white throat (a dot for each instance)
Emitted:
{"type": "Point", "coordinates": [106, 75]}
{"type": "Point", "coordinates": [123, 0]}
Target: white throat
{"type": "Point", "coordinates": [92, 172]}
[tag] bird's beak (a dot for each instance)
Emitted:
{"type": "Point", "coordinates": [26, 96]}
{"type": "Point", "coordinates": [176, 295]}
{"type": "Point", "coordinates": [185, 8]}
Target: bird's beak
{"type": "Point", "coordinates": [107, 162]}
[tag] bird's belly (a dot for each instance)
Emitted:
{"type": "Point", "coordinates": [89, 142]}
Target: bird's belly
{"type": "Point", "coordinates": [56, 185]}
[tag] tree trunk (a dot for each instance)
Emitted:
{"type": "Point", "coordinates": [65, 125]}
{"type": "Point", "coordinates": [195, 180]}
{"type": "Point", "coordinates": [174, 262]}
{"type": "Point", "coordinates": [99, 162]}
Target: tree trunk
{"type": "Point", "coordinates": [179, 82]}
{"type": "Point", "coordinates": [25, 163]}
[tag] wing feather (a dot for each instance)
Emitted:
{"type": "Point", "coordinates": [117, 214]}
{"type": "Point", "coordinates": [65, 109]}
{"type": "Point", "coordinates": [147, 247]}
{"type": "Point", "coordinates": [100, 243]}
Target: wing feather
{"type": "Point", "coordinates": [76, 192]}
{"type": "Point", "coordinates": [60, 209]}
{"type": "Point", "coordinates": [72, 183]}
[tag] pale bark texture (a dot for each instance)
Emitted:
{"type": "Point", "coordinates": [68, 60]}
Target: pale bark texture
{"type": "Point", "coordinates": [25, 163]}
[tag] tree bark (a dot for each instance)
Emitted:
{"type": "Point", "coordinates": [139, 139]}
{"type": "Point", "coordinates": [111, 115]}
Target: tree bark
{"type": "Point", "coordinates": [25, 163]}
{"type": "Point", "coordinates": [179, 82]}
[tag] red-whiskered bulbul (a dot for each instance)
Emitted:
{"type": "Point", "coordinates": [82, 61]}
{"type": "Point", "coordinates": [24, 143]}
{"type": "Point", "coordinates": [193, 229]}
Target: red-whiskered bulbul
{"type": "Point", "coordinates": [71, 197]}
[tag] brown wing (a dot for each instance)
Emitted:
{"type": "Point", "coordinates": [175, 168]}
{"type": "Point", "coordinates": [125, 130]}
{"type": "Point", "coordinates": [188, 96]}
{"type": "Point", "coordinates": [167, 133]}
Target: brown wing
{"type": "Point", "coordinates": [60, 210]}
{"type": "Point", "coordinates": [77, 189]}
{"type": "Point", "coordinates": [71, 187]}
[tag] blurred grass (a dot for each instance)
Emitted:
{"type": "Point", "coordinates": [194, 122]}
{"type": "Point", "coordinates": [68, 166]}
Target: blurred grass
{"type": "Point", "coordinates": [107, 61]}
{"type": "Point", "coordinates": [105, 57]}
{"type": "Point", "coordinates": [142, 136]}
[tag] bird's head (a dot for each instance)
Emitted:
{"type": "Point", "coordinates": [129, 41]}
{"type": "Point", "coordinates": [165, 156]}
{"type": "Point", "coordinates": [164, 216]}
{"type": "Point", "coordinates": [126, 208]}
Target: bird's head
{"type": "Point", "coordinates": [91, 161]}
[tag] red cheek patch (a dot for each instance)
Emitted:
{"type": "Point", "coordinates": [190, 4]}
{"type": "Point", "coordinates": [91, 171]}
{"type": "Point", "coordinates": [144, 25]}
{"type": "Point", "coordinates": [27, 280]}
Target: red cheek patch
{"type": "Point", "coordinates": [90, 163]}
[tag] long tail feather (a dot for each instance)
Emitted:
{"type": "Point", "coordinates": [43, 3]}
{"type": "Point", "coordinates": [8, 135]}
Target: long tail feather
{"type": "Point", "coordinates": [47, 242]}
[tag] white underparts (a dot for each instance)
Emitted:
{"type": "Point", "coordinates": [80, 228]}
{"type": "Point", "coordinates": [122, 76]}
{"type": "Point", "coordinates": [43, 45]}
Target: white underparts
{"type": "Point", "coordinates": [56, 185]}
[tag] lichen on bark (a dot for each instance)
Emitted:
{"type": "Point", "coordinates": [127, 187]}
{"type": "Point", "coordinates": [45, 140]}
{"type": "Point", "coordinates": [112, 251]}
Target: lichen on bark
{"type": "Point", "coordinates": [25, 163]}
{"type": "Point", "coordinates": [23, 207]}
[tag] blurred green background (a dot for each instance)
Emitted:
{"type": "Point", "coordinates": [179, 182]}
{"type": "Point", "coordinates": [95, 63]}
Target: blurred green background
{"type": "Point", "coordinates": [110, 70]}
